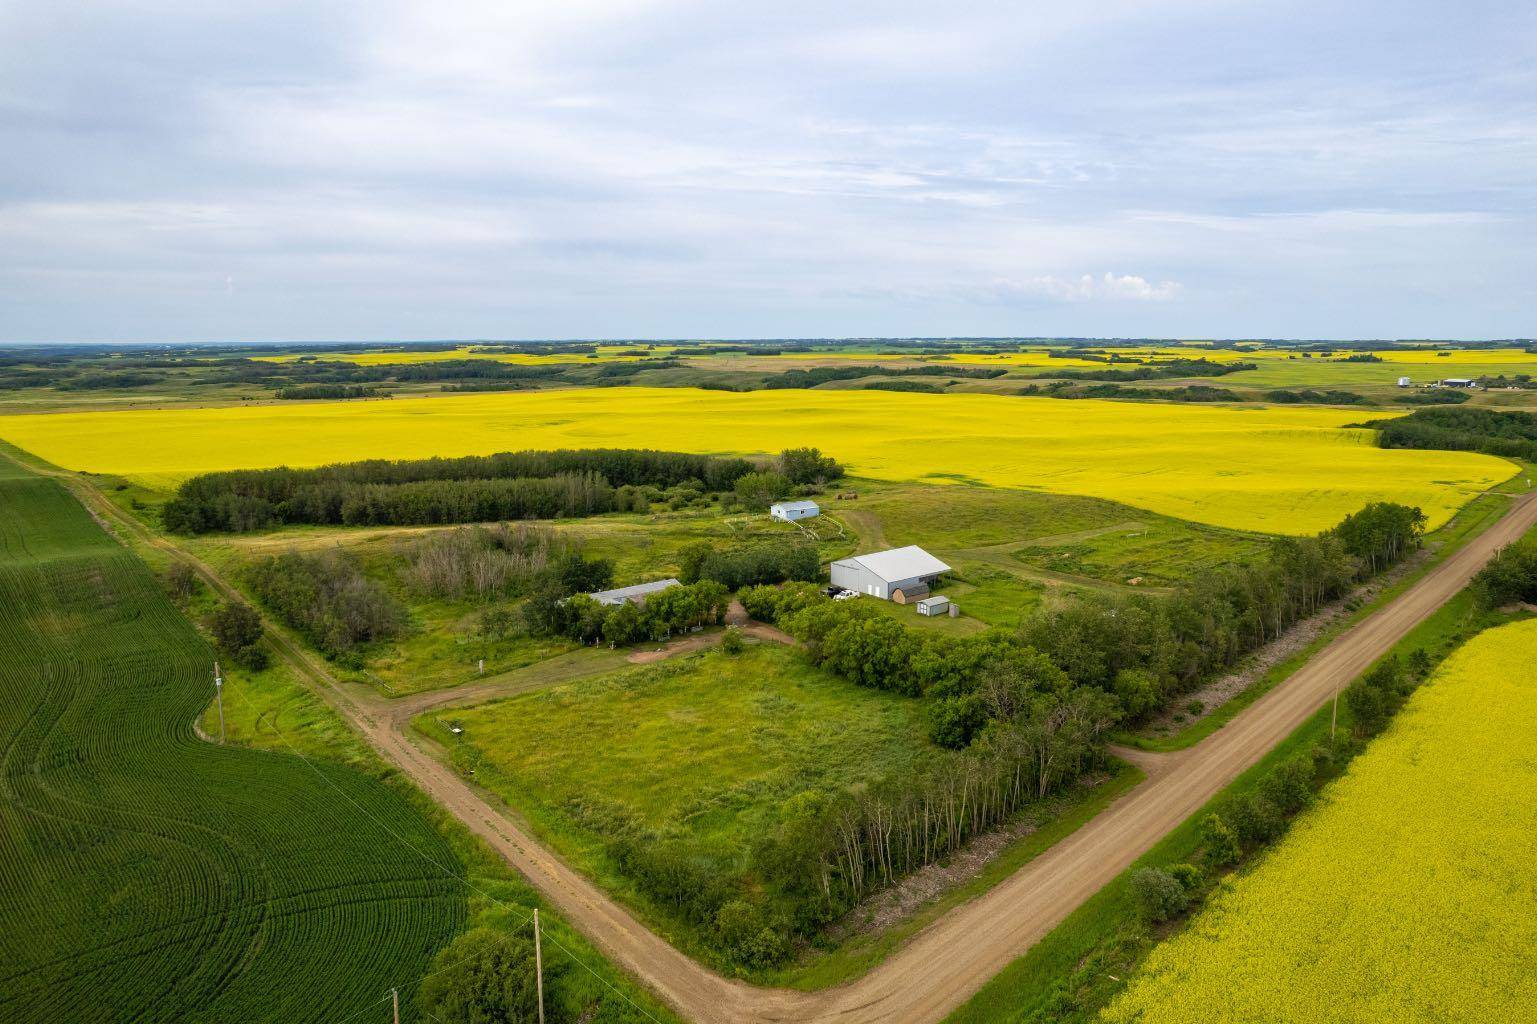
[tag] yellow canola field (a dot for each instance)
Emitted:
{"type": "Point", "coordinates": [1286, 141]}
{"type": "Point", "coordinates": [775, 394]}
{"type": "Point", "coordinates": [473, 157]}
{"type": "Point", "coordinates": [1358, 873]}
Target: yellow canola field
{"type": "Point", "coordinates": [1279, 470]}
{"type": "Point", "coordinates": [1406, 896]}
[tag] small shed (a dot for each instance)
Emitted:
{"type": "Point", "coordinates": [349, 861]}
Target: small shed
{"type": "Point", "coordinates": [791, 511]}
{"type": "Point", "coordinates": [939, 604]}
{"type": "Point", "coordinates": [900, 574]}
{"type": "Point", "coordinates": [634, 595]}
{"type": "Point", "coordinates": [1405, 382]}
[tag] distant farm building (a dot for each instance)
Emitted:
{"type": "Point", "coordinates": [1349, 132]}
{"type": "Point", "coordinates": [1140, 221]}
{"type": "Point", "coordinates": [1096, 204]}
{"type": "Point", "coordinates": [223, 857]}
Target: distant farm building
{"type": "Point", "coordinates": [634, 595]}
{"type": "Point", "coordinates": [790, 511]}
{"type": "Point", "coordinates": [1405, 382]}
{"type": "Point", "coordinates": [900, 574]}
{"type": "Point", "coordinates": [1459, 382]}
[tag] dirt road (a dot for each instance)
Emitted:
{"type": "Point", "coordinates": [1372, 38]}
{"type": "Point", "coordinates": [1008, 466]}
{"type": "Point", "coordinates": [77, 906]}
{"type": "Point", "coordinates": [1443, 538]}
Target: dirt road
{"type": "Point", "coordinates": [948, 961]}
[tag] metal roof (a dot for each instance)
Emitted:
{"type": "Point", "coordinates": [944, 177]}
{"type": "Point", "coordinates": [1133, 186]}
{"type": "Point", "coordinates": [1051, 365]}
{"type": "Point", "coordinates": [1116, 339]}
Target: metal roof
{"type": "Point", "coordinates": [796, 506]}
{"type": "Point", "coordinates": [638, 590]}
{"type": "Point", "coordinates": [898, 563]}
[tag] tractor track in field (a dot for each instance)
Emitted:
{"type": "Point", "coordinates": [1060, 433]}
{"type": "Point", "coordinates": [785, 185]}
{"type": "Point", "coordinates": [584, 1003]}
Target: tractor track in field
{"type": "Point", "coordinates": [944, 964]}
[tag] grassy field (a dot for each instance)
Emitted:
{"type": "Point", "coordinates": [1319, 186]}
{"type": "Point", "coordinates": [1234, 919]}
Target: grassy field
{"type": "Point", "coordinates": [705, 747]}
{"type": "Point", "coordinates": [1274, 470]}
{"type": "Point", "coordinates": [1423, 845]}
{"type": "Point", "coordinates": [148, 875]}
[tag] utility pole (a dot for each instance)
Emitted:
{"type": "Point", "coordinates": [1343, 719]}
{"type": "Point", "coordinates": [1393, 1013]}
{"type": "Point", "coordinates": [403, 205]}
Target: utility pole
{"type": "Point", "coordinates": [538, 967]}
{"type": "Point", "coordinates": [395, 1003]}
{"type": "Point", "coordinates": [218, 690]}
{"type": "Point", "coordinates": [1334, 715]}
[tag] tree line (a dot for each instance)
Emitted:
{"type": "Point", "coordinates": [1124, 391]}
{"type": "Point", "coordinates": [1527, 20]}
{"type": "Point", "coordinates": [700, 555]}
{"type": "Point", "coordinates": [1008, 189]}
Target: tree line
{"type": "Point", "coordinates": [1147, 650]}
{"type": "Point", "coordinates": [1511, 435]}
{"type": "Point", "coordinates": [1156, 371]}
{"type": "Point", "coordinates": [509, 485]}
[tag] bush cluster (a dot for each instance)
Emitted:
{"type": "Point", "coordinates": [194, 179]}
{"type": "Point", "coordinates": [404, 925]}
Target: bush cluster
{"type": "Point", "coordinates": [328, 599]}
{"type": "Point", "coordinates": [1509, 577]}
{"type": "Point", "coordinates": [664, 614]}
{"type": "Point", "coordinates": [772, 561]}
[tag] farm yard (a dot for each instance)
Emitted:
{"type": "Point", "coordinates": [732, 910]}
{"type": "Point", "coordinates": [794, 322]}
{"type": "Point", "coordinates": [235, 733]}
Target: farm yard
{"type": "Point", "coordinates": [1292, 470]}
{"type": "Point", "coordinates": [790, 789]}
{"type": "Point", "coordinates": [1404, 895]}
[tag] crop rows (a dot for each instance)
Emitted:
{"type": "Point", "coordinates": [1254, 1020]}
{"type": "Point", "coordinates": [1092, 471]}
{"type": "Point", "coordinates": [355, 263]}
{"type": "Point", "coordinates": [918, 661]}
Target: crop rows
{"type": "Point", "coordinates": [147, 875]}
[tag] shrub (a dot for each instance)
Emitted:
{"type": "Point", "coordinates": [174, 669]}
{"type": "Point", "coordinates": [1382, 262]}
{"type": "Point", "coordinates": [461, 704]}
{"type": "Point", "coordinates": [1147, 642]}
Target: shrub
{"type": "Point", "coordinates": [808, 466]}
{"type": "Point", "coordinates": [731, 643]}
{"type": "Point", "coordinates": [1219, 842]}
{"type": "Point", "coordinates": [181, 582]}
{"type": "Point", "coordinates": [1368, 707]}
{"type": "Point", "coordinates": [1189, 877]}
{"type": "Point", "coordinates": [1289, 785]}
{"type": "Point", "coordinates": [1159, 895]}
{"type": "Point", "coordinates": [757, 491]}
{"type": "Point", "coordinates": [487, 977]}
{"type": "Point", "coordinates": [1256, 820]}
{"type": "Point", "coordinates": [237, 631]}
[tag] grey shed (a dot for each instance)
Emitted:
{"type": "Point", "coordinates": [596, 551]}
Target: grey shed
{"type": "Point", "coordinates": [900, 574]}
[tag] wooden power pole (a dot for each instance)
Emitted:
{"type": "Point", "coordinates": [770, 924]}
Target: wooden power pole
{"type": "Point", "coordinates": [395, 1003]}
{"type": "Point", "coordinates": [218, 691]}
{"type": "Point", "coordinates": [538, 967]}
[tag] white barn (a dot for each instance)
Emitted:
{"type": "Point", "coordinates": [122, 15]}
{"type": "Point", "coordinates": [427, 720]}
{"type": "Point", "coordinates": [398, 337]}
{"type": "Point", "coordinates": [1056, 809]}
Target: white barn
{"type": "Point", "coordinates": [790, 511]}
{"type": "Point", "coordinates": [900, 574]}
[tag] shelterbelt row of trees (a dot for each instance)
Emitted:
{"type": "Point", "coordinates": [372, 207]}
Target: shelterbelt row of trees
{"type": "Point", "coordinates": [1512, 435]}
{"type": "Point", "coordinates": [509, 485]}
{"type": "Point", "coordinates": [478, 488]}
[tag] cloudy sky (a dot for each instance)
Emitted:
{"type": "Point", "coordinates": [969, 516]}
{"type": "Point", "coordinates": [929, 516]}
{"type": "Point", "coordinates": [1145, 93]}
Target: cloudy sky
{"type": "Point", "coordinates": [211, 170]}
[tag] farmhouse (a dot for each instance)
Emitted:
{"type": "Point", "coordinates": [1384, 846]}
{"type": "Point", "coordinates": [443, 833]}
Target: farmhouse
{"type": "Point", "coordinates": [635, 595]}
{"type": "Point", "coordinates": [900, 574]}
{"type": "Point", "coordinates": [790, 511]}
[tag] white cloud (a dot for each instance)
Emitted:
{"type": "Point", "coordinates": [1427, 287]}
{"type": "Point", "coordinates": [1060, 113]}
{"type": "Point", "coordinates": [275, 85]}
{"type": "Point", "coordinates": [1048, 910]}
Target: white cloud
{"type": "Point", "coordinates": [1107, 287]}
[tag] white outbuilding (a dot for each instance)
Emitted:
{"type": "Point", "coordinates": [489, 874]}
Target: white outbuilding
{"type": "Point", "coordinates": [791, 511]}
{"type": "Point", "coordinates": [636, 594]}
{"type": "Point", "coordinates": [900, 574]}
{"type": "Point", "coordinates": [1405, 382]}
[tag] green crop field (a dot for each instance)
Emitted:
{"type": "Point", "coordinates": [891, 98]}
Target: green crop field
{"type": "Point", "coordinates": [151, 876]}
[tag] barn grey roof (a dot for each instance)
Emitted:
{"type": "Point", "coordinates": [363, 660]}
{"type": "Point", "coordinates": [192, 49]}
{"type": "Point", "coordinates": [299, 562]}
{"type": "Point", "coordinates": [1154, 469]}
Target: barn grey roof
{"type": "Point", "coordinates": [638, 590]}
{"type": "Point", "coordinates": [898, 563]}
{"type": "Point", "coordinates": [795, 506]}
